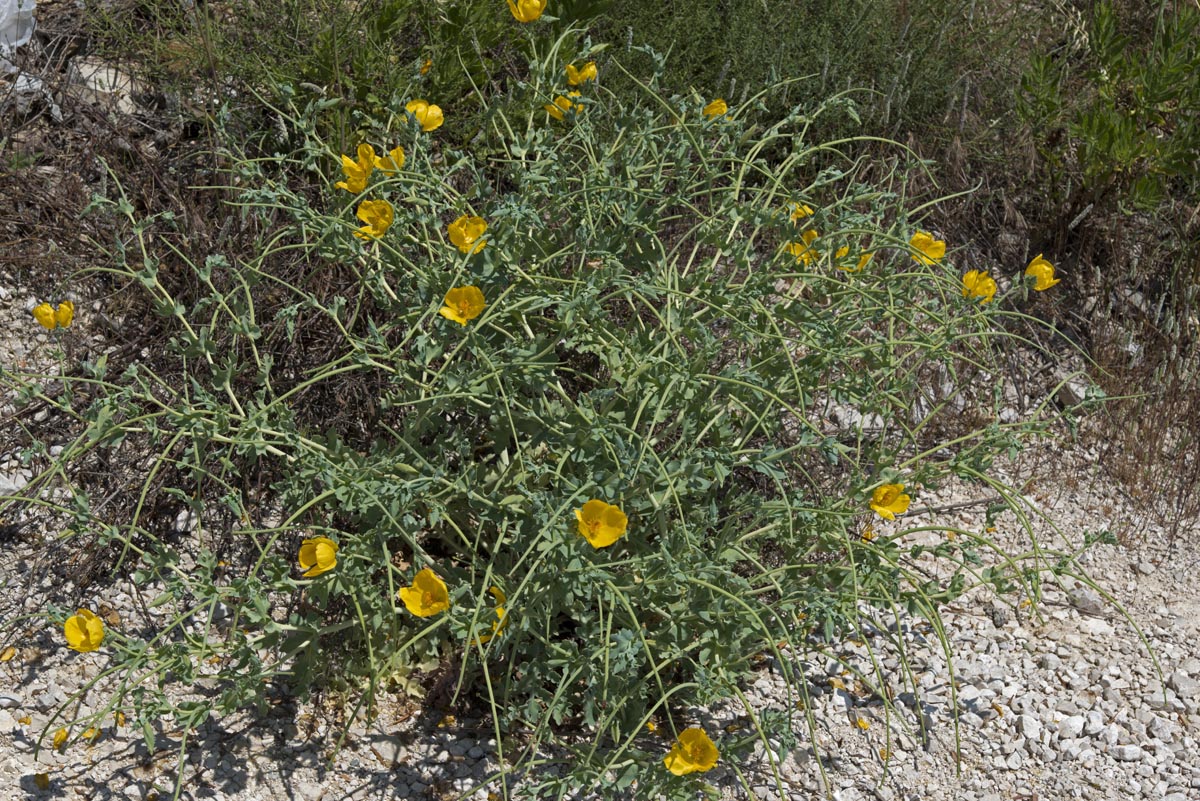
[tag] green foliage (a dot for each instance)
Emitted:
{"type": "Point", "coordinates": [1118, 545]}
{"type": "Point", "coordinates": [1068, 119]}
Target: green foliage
{"type": "Point", "coordinates": [653, 337]}
{"type": "Point", "coordinates": [1131, 138]}
{"type": "Point", "coordinates": [896, 56]}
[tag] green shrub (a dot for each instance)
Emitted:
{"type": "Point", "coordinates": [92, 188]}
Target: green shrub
{"type": "Point", "coordinates": [659, 334]}
{"type": "Point", "coordinates": [1133, 132]}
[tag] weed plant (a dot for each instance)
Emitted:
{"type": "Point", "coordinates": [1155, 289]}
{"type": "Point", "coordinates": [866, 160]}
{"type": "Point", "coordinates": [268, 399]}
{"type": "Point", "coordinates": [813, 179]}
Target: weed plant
{"type": "Point", "coordinates": [676, 306]}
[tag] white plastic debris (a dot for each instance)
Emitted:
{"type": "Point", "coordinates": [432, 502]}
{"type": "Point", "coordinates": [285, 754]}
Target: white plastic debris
{"type": "Point", "coordinates": [16, 28]}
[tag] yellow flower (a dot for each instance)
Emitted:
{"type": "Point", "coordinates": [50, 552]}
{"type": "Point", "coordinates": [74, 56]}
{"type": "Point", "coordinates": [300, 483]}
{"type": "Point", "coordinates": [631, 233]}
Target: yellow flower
{"type": "Point", "coordinates": [929, 250]}
{"type": "Point", "coordinates": [978, 284]}
{"type": "Point", "coordinates": [716, 108]}
{"type": "Point", "coordinates": [601, 523]}
{"type": "Point", "coordinates": [92, 734]}
{"type": "Point", "coordinates": [501, 616]}
{"type": "Point", "coordinates": [84, 631]}
{"type": "Point", "coordinates": [582, 75]}
{"type": "Point", "coordinates": [428, 115]}
{"type": "Point", "coordinates": [426, 65]}
{"type": "Point", "coordinates": [800, 211]}
{"type": "Point", "coordinates": [427, 596]}
{"type": "Point", "coordinates": [65, 313]}
{"type": "Point", "coordinates": [318, 555]}
{"type": "Point", "coordinates": [51, 318]}
{"type": "Point", "coordinates": [526, 10]}
{"type": "Point", "coordinates": [41, 781]}
{"type": "Point", "coordinates": [462, 304]}
{"type": "Point", "coordinates": [693, 752]}
{"type": "Point", "coordinates": [378, 215]}
{"type": "Point", "coordinates": [563, 104]}
{"type": "Point", "coordinates": [392, 162]}
{"type": "Point", "coordinates": [889, 500]}
{"type": "Point", "coordinates": [803, 251]}
{"type": "Point", "coordinates": [465, 232]}
{"type": "Point", "coordinates": [8, 654]}
{"type": "Point", "coordinates": [60, 739]}
{"type": "Point", "coordinates": [357, 172]}
{"type": "Point", "coordinates": [1042, 272]}
{"type": "Point", "coordinates": [44, 314]}
{"type": "Point", "coordinates": [863, 260]}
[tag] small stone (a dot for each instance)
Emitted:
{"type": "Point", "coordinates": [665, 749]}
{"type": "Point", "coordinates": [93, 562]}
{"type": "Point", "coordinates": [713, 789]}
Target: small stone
{"type": "Point", "coordinates": [1146, 568]}
{"type": "Point", "coordinates": [1127, 753]}
{"type": "Point", "coordinates": [1183, 684]}
{"type": "Point", "coordinates": [1162, 729]}
{"type": "Point", "coordinates": [389, 751]}
{"type": "Point", "coordinates": [1071, 727]}
{"type": "Point", "coordinates": [1029, 726]}
{"type": "Point", "coordinates": [310, 791]}
{"type": "Point", "coordinates": [1066, 707]}
{"type": "Point", "coordinates": [10, 701]}
{"type": "Point", "coordinates": [1085, 599]}
{"type": "Point", "coordinates": [1097, 627]}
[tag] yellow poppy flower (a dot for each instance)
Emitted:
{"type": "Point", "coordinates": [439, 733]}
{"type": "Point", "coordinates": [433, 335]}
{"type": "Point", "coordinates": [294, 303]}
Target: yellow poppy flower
{"type": "Point", "coordinates": [929, 250]}
{"type": "Point", "coordinates": [562, 104]}
{"type": "Point", "coordinates": [465, 233]}
{"type": "Point", "coordinates": [60, 739]}
{"type": "Point", "coordinates": [601, 524]}
{"type": "Point", "coordinates": [462, 304]}
{"type": "Point", "coordinates": [1042, 272]}
{"type": "Point", "coordinates": [978, 284]}
{"type": "Point", "coordinates": [392, 162]}
{"type": "Point", "coordinates": [800, 211]}
{"type": "Point", "coordinates": [427, 596]}
{"type": "Point", "coordinates": [693, 752]}
{"type": "Point", "coordinates": [501, 616]}
{"type": "Point", "coordinates": [84, 631]}
{"type": "Point", "coordinates": [430, 116]}
{"type": "Point", "coordinates": [889, 500]}
{"type": "Point", "coordinates": [526, 10]}
{"type": "Point", "coordinates": [51, 318]}
{"type": "Point", "coordinates": [803, 251]}
{"type": "Point", "coordinates": [581, 75]}
{"type": "Point", "coordinates": [318, 555]}
{"type": "Point", "coordinates": [426, 65]}
{"type": "Point", "coordinates": [44, 314]}
{"type": "Point", "coordinates": [378, 215]}
{"type": "Point", "coordinates": [357, 172]}
{"type": "Point", "coordinates": [65, 313]}
{"type": "Point", "coordinates": [863, 260]}
{"type": "Point", "coordinates": [716, 108]}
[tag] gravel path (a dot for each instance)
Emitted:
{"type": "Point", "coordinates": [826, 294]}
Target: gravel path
{"type": "Point", "coordinates": [1057, 700]}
